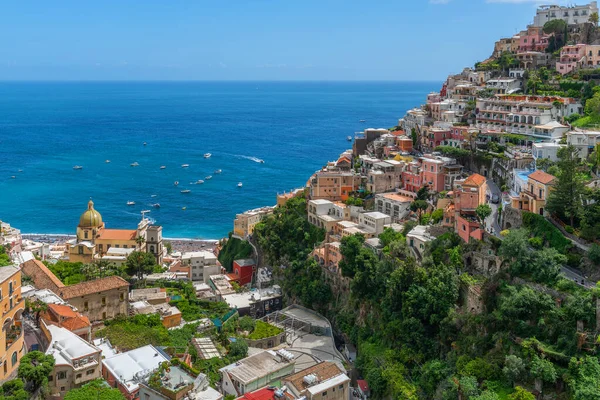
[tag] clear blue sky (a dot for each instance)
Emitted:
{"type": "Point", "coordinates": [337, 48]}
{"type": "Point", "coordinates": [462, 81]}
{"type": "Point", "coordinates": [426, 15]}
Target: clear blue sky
{"type": "Point", "coordinates": [251, 39]}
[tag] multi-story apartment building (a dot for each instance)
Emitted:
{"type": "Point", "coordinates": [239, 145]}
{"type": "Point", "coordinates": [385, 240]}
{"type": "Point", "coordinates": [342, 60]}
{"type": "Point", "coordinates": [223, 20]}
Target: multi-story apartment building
{"type": "Point", "coordinates": [413, 119]}
{"type": "Point", "coordinates": [324, 381]}
{"type": "Point", "coordinates": [584, 141]}
{"type": "Point", "coordinates": [434, 171]}
{"type": "Point", "coordinates": [374, 221]}
{"type": "Point", "coordinates": [525, 115]}
{"type": "Point", "coordinates": [333, 185]}
{"type": "Point", "coordinates": [77, 361]}
{"type": "Point", "coordinates": [468, 195]}
{"type": "Point", "coordinates": [573, 57]}
{"type": "Point", "coordinates": [533, 39]}
{"type": "Point", "coordinates": [12, 306]}
{"type": "Point", "coordinates": [385, 176]}
{"type": "Point", "coordinates": [244, 223]}
{"type": "Point", "coordinates": [505, 85]}
{"type": "Point", "coordinates": [533, 59]}
{"type": "Point", "coordinates": [570, 14]}
{"type": "Point", "coordinates": [202, 265]}
{"type": "Point", "coordinates": [533, 197]}
{"type": "Point", "coordinates": [502, 46]}
{"type": "Point", "coordinates": [395, 205]}
{"type": "Point", "coordinates": [325, 214]}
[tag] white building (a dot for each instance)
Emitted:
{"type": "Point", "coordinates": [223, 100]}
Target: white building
{"type": "Point", "coordinates": [203, 264]}
{"type": "Point", "coordinates": [418, 238]}
{"type": "Point", "coordinates": [505, 85]}
{"type": "Point", "coordinates": [325, 213]}
{"type": "Point", "coordinates": [395, 205]}
{"type": "Point", "coordinates": [77, 361]}
{"type": "Point", "coordinates": [375, 220]}
{"type": "Point", "coordinates": [326, 380]}
{"type": "Point", "coordinates": [584, 141]}
{"type": "Point", "coordinates": [546, 150]}
{"type": "Point", "coordinates": [570, 14]}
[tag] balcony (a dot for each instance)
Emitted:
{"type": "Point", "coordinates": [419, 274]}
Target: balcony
{"type": "Point", "coordinates": [13, 334]}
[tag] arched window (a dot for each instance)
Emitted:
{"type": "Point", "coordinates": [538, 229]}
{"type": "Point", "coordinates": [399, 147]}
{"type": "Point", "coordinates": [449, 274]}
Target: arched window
{"type": "Point", "coordinates": [13, 359]}
{"type": "Point", "coordinates": [151, 249]}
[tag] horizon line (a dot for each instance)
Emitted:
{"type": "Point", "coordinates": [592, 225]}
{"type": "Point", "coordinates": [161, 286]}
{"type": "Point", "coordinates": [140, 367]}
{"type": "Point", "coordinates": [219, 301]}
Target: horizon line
{"type": "Point", "coordinates": [217, 80]}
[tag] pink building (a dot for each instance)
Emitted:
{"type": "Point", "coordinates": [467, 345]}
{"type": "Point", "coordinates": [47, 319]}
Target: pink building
{"type": "Point", "coordinates": [533, 39]}
{"type": "Point", "coordinates": [411, 177]}
{"type": "Point", "coordinates": [437, 136]}
{"type": "Point", "coordinates": [433, 173]}
{"type": "Point", "coordinates": [468, 195]}
{"type": "Point", "coordinates": [571, 58]}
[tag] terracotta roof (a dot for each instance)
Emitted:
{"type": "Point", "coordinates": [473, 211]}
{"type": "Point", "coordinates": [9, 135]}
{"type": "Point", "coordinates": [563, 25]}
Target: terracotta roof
{"type": "Point", "coordinates": [65, 316]}
{"type": "Point", "coordinates": [261, 394]}
{"type": "Point", "coordinates": [343, 158]}
{"type": "Point", "coordinates": [475, 180]}
{"type": "Point", "coordinates": [62, 310]}
{"type": "Point", "coordinates": [324, 371]}
{"type": "Point", "coordinates": [363, 385]}
{"type": "Point", "coordinates": [117, 234]}
{"type": "Point", "coordinates": [79, 322]}
{"type": "Point", "coordinates": [542, 177]}
{"type": "Point", "coordinates": [35, 267]}
{"type": "Point", "coordinates": [95, 286]}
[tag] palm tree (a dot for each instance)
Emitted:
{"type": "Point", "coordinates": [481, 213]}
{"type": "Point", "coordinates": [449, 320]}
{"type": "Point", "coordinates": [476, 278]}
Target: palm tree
{"type": "Point", "coordinates": [140, 240]}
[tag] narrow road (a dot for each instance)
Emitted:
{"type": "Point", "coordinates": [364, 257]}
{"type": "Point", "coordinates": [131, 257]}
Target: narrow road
{"type": "Point", "coordinates": [492, 220]}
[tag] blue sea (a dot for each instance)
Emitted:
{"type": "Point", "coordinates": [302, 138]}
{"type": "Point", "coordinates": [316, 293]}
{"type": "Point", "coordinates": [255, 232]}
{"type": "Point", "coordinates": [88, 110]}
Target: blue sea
{"type": "Point", "coordinates": [295, 127]}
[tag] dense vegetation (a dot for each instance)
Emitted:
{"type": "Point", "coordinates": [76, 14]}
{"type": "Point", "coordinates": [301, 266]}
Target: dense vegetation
{"type": "Point", "coordinates": [233, 249]}
{"type": "Point", "coordinates": [421, 336]}
{"type": "Point", "coordinates": [97, 390]}
{"type": "Point", "coordinates": [4, 258]}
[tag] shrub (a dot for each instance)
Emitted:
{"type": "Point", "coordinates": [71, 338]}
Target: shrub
{"type": "Point", "coordinates": [569, 229]}
{"type": "Point", "coordinates": [536, 242]}
{"type": "Point", "coordinates": [264, 330]}
{"type": "Point", "coordinates": [594, 254]}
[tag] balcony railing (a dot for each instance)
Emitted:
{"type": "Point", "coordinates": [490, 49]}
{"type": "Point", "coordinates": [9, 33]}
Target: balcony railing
{"type": "Point", "coordinates": [13, 334]}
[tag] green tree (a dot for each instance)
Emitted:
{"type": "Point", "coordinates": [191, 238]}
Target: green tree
{"type": "Point", "coordinates": [566, 197]}
{"type": "Point", "coordinates": [545, 265]}
{"type": "Point", "coordinates": [140, 240]}
{"type": "Point", "coordinates": [35, 367]}
{"type": "Point", "coordinates": [584, 379]}
{"type": "Point", "coordinates": [350, 248]}
{"type": "Point", "coordinates": [238, 349]}
{"type": "Point", "coordinates": [139, 264]}
{"type": "Point", "coordinates": [247, 323]}
{"type": "Point", "coordinates": [521, 394]}
{"type": "Point", "coordinates": [486, 395]}
{"type": "Point", "coordinates": [95, 390]}
{"type": "Point", "coordinates": [423, 193]}
{"type": "Point", "coordinates": [14, 390]}
{"type": "Point", "coordinates": [419, 206]}
{"type": "Point", "coordinates": [557, 28]}
{"type": "Point", "coordinates": [483, 211]}
{"type": "Point", "coordinates": [414, 137]}
{"type": "Point", "coordinates": [513, 369]}
{"type": "Point", "coordinates": [542, 371]}
{"type": "Point", "coordinates": [533, 82]}
{"type": "Point", "coordinates": [593, 18]}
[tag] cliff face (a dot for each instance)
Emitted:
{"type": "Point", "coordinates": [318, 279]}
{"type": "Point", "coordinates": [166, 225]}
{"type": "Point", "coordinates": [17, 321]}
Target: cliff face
{"type": "Point", "coordinates": [585, 33]}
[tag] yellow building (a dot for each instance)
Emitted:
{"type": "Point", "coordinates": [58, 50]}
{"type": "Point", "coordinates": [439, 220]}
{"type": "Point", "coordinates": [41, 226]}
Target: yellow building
{"type": "Point", "coordinates": [93, 239]}
{"type": "Point", "coordinates": [533, 197]}
{"type": "Point", "coordinates": [12, 305]}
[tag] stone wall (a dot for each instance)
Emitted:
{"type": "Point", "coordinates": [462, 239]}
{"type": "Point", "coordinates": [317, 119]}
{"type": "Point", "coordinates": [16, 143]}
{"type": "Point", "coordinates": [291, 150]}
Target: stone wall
{"type": "Point", "coordinates": [267, 343]}
{"type": "Point", "coordinates": [511, 218]}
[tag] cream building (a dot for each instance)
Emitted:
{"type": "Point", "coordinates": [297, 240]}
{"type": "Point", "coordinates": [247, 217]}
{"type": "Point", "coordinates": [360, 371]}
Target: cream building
{"type": "Point", "coordinates": [244, 223]}
{"type": "Point", "coordinates": [12, 306]}
{"type": "Point", "coordinates": [94, 240]}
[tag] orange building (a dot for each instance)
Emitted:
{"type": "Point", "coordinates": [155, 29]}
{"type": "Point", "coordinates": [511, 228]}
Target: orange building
{"type": "Point", "coordinates": [333, 185]}
{"type": "Point", "coordinates": [468, 195]}
{"type": "Point", "coordinates": [66, 317]}
{"type": "Point", "coordinates": [12, 305]}
{"type": "Point", "coordinates": [533, 198]}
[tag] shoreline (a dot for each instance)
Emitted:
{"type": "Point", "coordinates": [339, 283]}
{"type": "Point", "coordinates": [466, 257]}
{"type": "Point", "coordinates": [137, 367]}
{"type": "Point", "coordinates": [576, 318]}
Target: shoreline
{"type": "Point", "coordinates": [70, 236]}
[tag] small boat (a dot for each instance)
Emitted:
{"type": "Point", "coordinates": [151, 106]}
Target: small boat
{"type": "Point", "coordinates": [163, 167]}
{"type": "Point", "coordinates": [176, 183]}
{"type": "Point", "coordinates": [362, 120]}
{"type": "Point", "coordinates": [20, 170]}
{"type": "Point", "coordinates": [107, 161]}
{"type": "Point", "coordinates": [186, 191]}
{"type": "Point", "coordinates": [134, 164]}
{"type": "Point", "coordinates": [349, 138]}
{"type": "Point", "coordinates": [145, 143]}
{"type": "Point", "coordinates": [131, 203]}
{"type": "Point", "coordinates": [152, 195]}
{"type": "Point", "coordinates": [13, 177]}
{"type": "Point", "coordinates": [184, 208]}
{"type": "Point", "coordinates": [185, 165]}
{"type": "Point", "coordinates": [208, 177]}
{"type": "Point", "coordinates": [156, 205]}
{"type": "Point", "coordinates": [239, 184]}
{"type": "Point", "coordinates": [218, 171]}
{"type": "Point", "coordinates": [207, 155]}
{"type": "Point", "coordinates": [78, 167]}
{"type": "Point", "coordinates": [199, 182]}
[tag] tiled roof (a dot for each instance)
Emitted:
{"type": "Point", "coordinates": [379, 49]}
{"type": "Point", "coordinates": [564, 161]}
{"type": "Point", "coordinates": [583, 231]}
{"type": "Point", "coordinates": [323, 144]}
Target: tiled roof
{"type": "Point", "coordinates": [62, 310]}
{"type": "Point", "coordinates": [261, 394]}
{"type": "Point", "coordinates": [95, 286]}
{"type": "Point", "coordinates": [65, 316]}
{"type": "Point", "coordinates": [117, 234]}
{"type": "Point", "coordinates": [475, 180]}
{"type": "Point", "coordinates": [541, 177]}
{"type": "Point", "coordinates": [34, 267]}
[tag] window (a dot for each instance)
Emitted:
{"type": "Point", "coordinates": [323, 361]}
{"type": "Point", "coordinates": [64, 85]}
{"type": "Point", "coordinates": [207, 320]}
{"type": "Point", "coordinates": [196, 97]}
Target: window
{"type": "Point", "coordinates": [62, 388]}
{"type": "Point", "coordinates": [104, 301]}
{"type": "Point", "coordinates": [13, 359]}
{"type": "Point", "coordinates": [122, 296]}
{"type": "Point", "coordinates": [85, 306]}
{"type": "Point", "coordinates": [124, 246]}
{"type": "Point", "coordinates": [85, 234]}
{"type": "Point", "coordinates": [90, 372]}
{"type": "Point", "coordinates": [324, 393]}
{"type": "Point", "coordinates": [341, 387]}
{"type": "Point", "coordinates": [78, 376]}
{"type": "Point", "coordinates": [80, 248]}
{"type": "Point", "coordinates": [61, 375]}
{"type": "Point", "coordinates": [104, 315]}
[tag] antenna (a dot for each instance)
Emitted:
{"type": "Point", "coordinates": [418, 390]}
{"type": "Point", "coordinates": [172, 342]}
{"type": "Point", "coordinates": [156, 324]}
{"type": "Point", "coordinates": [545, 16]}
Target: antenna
{"type": "Point", "coordinates": [144, 212]}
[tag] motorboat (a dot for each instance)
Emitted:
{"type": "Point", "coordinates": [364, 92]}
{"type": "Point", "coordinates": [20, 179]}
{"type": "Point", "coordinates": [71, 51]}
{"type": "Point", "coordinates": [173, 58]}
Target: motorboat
{"type": "Point", "coordinates": [156, 205]}
{"type": "Point", "coordinates": [176, 183]}
{"type": "Point", "coordinates": [78, 167]}
{"type": "Point", "coordinates": [261, 161]}
{"type": "Point", "coordinates": [20, 170]}
{"type": "Point", "coordinates": [134, 164]}
{"type": "Point", "coordinates": [349, 138]}
{"type": "Point", "coordinates": [13, 177]}
{"type": "Point", "coordinates": [184, 208]}
{"type": "Point", "coordinates": [199, 182]}
{"type": "Point", "coordinates": [145, 143]}
{"type": "Point", "coordinates": [218, 171]}
{"type": "Point", "coordinates": [107, 161]}
{"type": "Point", "coordinates": [185, 165]}
{"type": "Point", "coordinates": [163, 167]}
{"type": "Point", "coordinates": [131, 203]}
{"type": "Point", "coordinates": [208, 177]}
{"type": "Point", "coordinates": [207, 155]}
{"type": "Point", "coordinates": [239, 184]}
{"type": "Point", "coordinates": [186, 191]}
{"type": "Point", "coordinates": [362, 120]}
{"type": "Point", "coordinates": [152, 195]}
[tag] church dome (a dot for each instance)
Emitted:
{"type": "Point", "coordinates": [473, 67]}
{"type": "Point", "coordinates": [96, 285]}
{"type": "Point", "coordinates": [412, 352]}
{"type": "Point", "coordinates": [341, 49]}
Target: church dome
{"type": "Point", "coordinates": [90, 218]}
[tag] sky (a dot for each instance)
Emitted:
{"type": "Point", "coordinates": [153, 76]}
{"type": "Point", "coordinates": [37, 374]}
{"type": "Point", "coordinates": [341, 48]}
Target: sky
{"type": "Point", "coordinates": [404, 40]}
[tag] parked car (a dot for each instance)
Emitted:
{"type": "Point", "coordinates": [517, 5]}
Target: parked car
{"type": "Point", "coordinates": [495, 199]}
